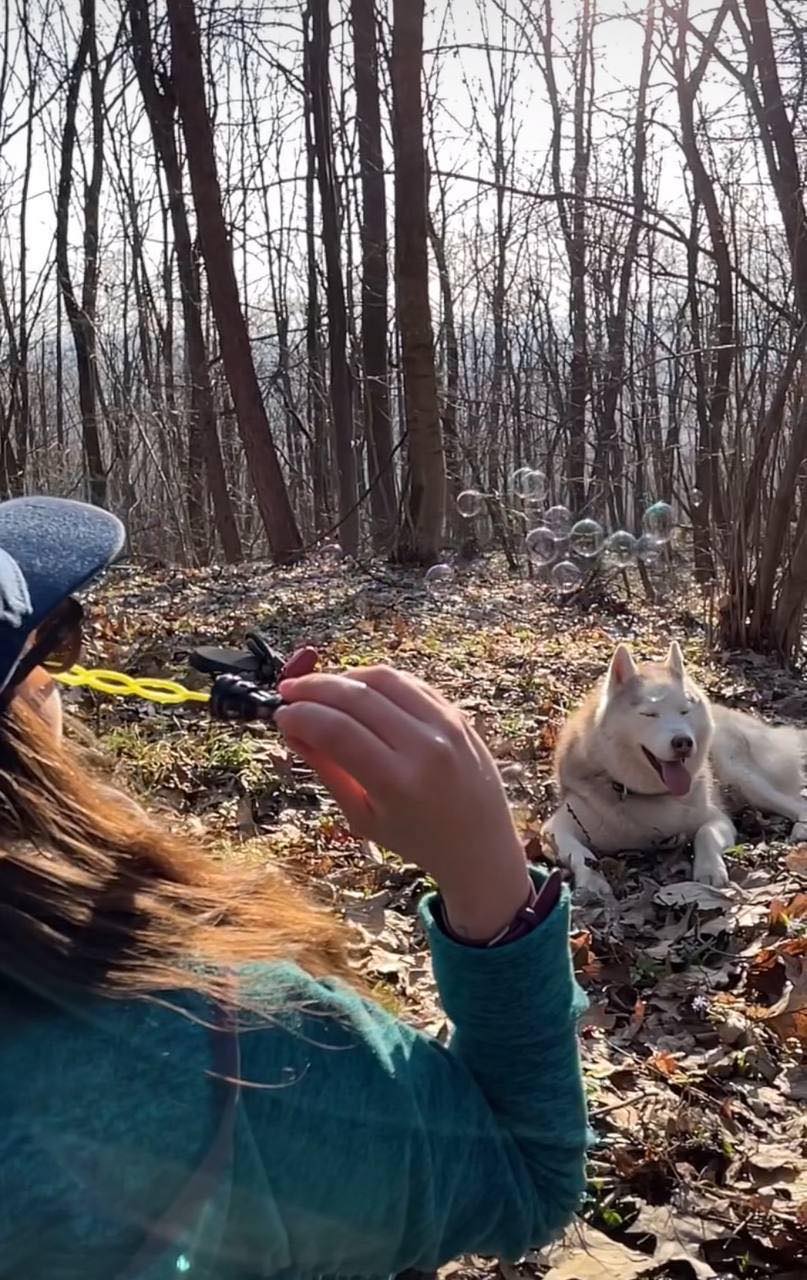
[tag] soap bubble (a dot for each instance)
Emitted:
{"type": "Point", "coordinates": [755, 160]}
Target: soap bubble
{"type": "Point", "coordinates": [439, 580]}
{"type": "Point", "coordinates": [658, 521]}
{"type": "Point", "coordinates": [586, 539]}
{"type": "Point", "coordinates": [559, 520]}
{"type": "Point", "coordinates": [697, 498]}
{"type": "Point", "coordinates": [649, 549]}
{"type": "Point", "coordinates": [470, 503]}
{"type": "Point", "coordinates": [542, 545]}
{"type": "Point", "coordinates": [566, 576]}
{"type": "Point", "coordinates": [527, 482]}
{"type": "Point", "coordinates": [620, 549]}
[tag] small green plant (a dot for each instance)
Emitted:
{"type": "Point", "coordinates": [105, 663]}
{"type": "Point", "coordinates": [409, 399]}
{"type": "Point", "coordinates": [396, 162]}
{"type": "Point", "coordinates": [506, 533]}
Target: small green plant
{"type": "Point", "coordinates": [238, 755]}
{"type": "Point", "coordinates": [152, 761]}
{"type": "Point", "coordinates": [169, 759]}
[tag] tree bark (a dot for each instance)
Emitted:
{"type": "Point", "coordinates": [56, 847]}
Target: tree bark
{"type": "Point", "coordinates": [607, 477]}
{"type": "Point", "coordinates": [579, 371]}
{"type": "Point", "coordinates": [421, 531]}
{"type": "Point", "coordinates": [81, 314]}
{"type": "Point", "coordinates": [763, 629]}
{"type": "Point", "coordinates": [574, 229]}
{"type": "Point", "coordinates": [772, 627]}
{"type": "Point", "coordinates": [783, 163]}
{"type": "Point", "coordinates": [713, 401]}
{"type": "Point", "coordinates": [161, 110]}
{"type": "Point", "coordinates": [451, 373]}
{"type": "Point", "coordinates": [267, 478]}
{"type": "Point", "coordinates": [318, 36]}
{"type": "Point", "coordinates": [321, 496]}
{"type": "Point", "coordinates": [375, 278]}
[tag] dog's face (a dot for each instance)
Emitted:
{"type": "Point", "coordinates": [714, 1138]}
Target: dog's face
{"type": "Point", "coordinates": [655, 723]}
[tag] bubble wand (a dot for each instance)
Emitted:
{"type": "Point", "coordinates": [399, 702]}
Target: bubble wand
{"type": "Point", "coordinates": [244, 683]}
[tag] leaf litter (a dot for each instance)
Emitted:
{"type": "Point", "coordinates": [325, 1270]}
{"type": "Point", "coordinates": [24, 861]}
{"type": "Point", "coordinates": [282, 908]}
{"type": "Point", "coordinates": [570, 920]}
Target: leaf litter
{"type": "Point", "coordinates": [695, 1043]}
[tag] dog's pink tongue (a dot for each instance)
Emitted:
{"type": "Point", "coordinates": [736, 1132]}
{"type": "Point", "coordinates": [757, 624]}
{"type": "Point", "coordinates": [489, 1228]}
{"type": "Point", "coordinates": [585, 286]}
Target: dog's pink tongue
{"type": "Point", "coordinates": [675, 777]}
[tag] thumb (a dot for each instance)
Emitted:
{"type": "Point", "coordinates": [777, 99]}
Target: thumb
{"type": "Point", "coordinates": [349, 794]}
{"type": "Point", "coordinates": [301, 663]}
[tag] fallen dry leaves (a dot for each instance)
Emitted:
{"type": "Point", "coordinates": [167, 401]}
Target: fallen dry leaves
{"type": "Point", "coordinates": [585, 1253]}
{"type": "Point", "coordinates": [694, 1046]}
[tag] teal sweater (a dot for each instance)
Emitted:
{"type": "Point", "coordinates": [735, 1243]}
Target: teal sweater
{"type": "Point", "coordinates": [360, 1146]}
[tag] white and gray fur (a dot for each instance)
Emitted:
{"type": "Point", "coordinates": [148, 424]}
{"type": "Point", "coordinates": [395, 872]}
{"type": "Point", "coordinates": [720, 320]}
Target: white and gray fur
{"type": "Point", "coordinates": [613, 797]}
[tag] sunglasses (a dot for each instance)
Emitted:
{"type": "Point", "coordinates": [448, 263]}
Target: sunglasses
{"type": "Point", "coordinates": [57, 646]}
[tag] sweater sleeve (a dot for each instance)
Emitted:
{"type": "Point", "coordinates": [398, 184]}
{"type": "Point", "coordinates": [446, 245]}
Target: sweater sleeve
{"type": "Point", "coordinates": [366, 1148]}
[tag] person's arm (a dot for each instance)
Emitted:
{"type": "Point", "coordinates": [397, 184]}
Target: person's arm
{"type": "Point", "coordinates": [389, 1151]}
{"type": "Point", "coordinates": [366, 1148]}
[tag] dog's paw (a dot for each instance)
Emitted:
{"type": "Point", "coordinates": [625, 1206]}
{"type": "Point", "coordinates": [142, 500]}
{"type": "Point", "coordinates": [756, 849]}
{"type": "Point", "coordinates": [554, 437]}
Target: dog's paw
{"type": "Point", "coordinates": [710, 869]}
{"type": "Point", "coordinates": [799, 832]}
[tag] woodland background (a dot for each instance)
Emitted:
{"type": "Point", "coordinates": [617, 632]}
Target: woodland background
{"type": "Point", "coordinates": [277, 273]}
{"type": "Point", "coordinates": [278, 282]}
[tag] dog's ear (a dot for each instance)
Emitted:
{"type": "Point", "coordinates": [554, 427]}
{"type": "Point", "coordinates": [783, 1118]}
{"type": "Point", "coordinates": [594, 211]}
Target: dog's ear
{"type": "Point", "coordinates": [675, 661]}
{"type": "Point", "coordinates": [622, 668]}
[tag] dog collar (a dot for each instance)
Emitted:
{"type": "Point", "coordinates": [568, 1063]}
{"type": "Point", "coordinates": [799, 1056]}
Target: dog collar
{"type": "Point", "coordinates": [625, 793]}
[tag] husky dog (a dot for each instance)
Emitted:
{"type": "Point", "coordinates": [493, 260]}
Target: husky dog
{"type": "Point", "coordinates": [642, 763]}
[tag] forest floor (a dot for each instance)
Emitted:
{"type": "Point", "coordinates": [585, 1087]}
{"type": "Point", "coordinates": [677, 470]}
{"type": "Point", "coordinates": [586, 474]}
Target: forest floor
{"type": "Point", "coordinates": [695, 1044]}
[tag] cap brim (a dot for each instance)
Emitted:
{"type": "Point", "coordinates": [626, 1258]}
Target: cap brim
{"type": "Point", "coordinates": [60, 546]}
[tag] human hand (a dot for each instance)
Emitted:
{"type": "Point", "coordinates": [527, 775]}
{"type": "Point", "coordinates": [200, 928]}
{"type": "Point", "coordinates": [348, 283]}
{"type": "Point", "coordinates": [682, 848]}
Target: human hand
{"type": "Point", "coordinates": [410, 773]}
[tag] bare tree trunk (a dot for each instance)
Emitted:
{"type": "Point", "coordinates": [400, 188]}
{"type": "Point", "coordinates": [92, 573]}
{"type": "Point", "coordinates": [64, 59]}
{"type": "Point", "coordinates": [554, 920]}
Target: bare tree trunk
{"type": "Point", "coordinates": [453, 463]}
{"type": "Point", "coordinates": [161, 108]}
{"type": "Point", "coordinates": [15, 415]}
{"type": "Point", "coordinates": [771, 626]}
{"type": "Point", "coordinates": [714, 401]}
{"type": "Point", "coordinates": [59, 388]}
{"type": "Point", "coordinates": [318, 36]}
{"type": "Point", "coordinates": [782, 630]}
{"type": "Point", "coordinates": [375, 284]}
{"type": "Point", "coordinates": [24, 423]}
{"type": "Point", "coordinates": [579, 372]}
{"type": "Point", "coordinates": [267, 478]}
{"type": "Point", "coordinates": [783, 163]}
{"type": "Point", "coordinates": [502, 81]}
{"type": "Point", "coordinates": [81, 315]}
{"type": "Point", "coordinates": [421, 532]}
{"type": "Point", "coordinates": [321, 496]}
{"type": "Point", "coordinates": [610, 480]}
{"type": "Point", "coordinates": [573, 227]}
{"type": "Point", "coordinates": [778, 518]}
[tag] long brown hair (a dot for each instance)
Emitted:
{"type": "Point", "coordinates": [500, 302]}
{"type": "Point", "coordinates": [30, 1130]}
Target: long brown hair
{"type": "Point", "coordinates": [97, 895]}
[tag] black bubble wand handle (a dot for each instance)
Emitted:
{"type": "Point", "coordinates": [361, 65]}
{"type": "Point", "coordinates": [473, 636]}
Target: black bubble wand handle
{"type": "Point", "coordinates": [233, 698]}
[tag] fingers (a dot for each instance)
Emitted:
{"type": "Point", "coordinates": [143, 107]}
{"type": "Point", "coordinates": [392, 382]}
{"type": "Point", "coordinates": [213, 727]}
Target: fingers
{"type": "Point", "coordinates": [346, 791]}
{"type": "Point", "coordinates": [301, 663]}
{"type": "Point", "coordinates": [342, 740]}
{"type": "Point", "coordinates": [356, 699]}
{"type": "Point", "coordinates": [408, 692]}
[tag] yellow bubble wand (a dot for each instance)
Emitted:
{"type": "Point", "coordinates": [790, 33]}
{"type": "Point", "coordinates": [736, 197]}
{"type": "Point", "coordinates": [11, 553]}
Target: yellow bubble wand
{"type": "Point", "coordinates": [232, 697]}
{"type": "Point", "coordinates": [119, 685]}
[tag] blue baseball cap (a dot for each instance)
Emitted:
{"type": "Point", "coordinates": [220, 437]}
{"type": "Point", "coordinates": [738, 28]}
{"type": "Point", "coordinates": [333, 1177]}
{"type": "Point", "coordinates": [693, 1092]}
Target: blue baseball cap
{"type": "Point", "coordinates": [49, 549]}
